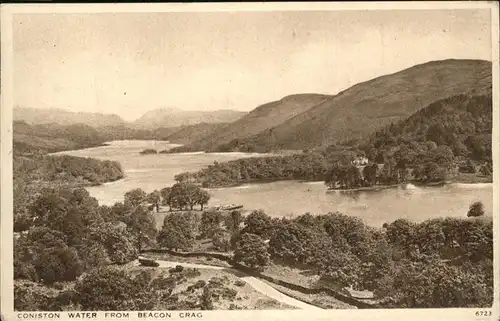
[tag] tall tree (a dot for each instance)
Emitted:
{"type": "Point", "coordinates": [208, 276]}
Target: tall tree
{"type": "Point", "coordinates": [166, 195]}
{"type": "Point", "coordinates": [135, 197]}
{"type": "Point", "coordinates": [177, 232]}
{"type": "Point", "coordinates": [210, 223]}
{"type": "Point", "coordinates": [476, 209]}
{"type": "Point", "coordinates": [202, 197]}
{"type": "Point", "coordinates": [252, 251]}
{"type": "Point", "coordinates": [233, 220]}
{"type": "Point", "coordinates": [119, 243]}
{"type": "Point", "coordinates": [258, 223]}
{"type": "Point", "coordinates": [154, 198]}
{"type": "Point", "coordinates": [142, 225]}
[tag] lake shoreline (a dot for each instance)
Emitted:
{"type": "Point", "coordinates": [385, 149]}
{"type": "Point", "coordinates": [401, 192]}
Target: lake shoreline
{"type": "Point", "coordinates": [416, 184]}
{"type": "Point", "coordinates": [281, 198]}
{"type": "Point", "coordinates": [257, 182]}
{"type": "Point", "coordinates": [467, 181]}
{"type": "Point", "coordinates": [462, 178]}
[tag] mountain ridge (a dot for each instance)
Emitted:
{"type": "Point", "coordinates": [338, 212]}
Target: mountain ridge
{"type": "Point", "coordinates": [63, 117]}
{"type": "Point", "coordinates": [181, 117]}
{"type": "Point", "coordinates": [259, 119]}
{"type": "Point", "coordinates": [172, 117]}
{"type": "Point", "coordinates": [296, 121]}
{"type": "Point", "coordinates": [367, 106]}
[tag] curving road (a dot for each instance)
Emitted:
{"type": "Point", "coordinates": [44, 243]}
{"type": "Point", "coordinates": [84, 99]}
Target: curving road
{"type": "Point", "coordinates": [255, 283]}
{"type": "Point", "coordinates": [271, 292]}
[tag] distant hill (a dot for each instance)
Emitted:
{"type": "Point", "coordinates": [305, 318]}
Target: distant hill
{"type": "Point", "coordinates": [124, 132]}
{"type": "Point", "coordinates": [448, 140]}
{"type": "Point", "coordinates": [260, 119]}
{"type": "Point", "coordinates": [52, 122]}
{"type": "Point", "coordinates": [191, 133]}
{"type": "Point", "coordinates": [49, 138]}
{"type": "Point", "coordinates": [301, 121]}
{"type": "Point", "coordinates": [368, 106]}
{"type": "Point", "coordinates": [62, 117]}
{"type": "Point", "coordinates": [173, 117]}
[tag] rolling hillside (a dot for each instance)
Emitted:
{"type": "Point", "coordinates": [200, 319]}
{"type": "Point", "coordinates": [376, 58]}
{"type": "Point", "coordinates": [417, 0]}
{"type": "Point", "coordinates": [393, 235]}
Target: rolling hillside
{"type": "Point", "coordinates": [172, 117]}
{"type": "Point", "coordinates": [49, 138]}
{"type": "Point", "coordinates": [301, 121]}
{"type": "Point", "coordinates": [62, 117]}
{"type": "Point", "coordinates": [260, 119]}
{"type": "Point", "coordinates": [449, 139]}
{"type": "Point", "coordinates": [191, 133]}
{"type": "Point", "coordinates": [462, 122]}
{"type": "Point", "coordinates": [124, 132]}
{"type": "Point", "coordinates": [368, 106]}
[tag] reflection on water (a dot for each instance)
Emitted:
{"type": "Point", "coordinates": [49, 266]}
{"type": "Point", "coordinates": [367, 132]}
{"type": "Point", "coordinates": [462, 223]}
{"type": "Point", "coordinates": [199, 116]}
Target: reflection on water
{"type": "Point", "coordinates": [355, 195]}
{"type": "Point", "coordinates": [151, 172]}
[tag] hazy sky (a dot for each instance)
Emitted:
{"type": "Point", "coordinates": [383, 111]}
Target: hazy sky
{"type": "Point", "coordinates": [129, 63]}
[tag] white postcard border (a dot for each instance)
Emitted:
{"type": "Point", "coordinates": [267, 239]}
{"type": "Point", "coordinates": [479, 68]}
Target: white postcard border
{"type": "Point", "coordinates": [6, 224]}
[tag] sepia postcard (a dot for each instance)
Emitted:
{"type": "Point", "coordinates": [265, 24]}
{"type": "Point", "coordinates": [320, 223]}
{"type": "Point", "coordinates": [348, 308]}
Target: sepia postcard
{"type": "Point", "coordinates": [244, 161]}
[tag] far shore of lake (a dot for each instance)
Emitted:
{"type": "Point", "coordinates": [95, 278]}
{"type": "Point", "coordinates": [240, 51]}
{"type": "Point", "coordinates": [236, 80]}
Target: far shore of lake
{"type": "Point", "coordinates": [462, 178]}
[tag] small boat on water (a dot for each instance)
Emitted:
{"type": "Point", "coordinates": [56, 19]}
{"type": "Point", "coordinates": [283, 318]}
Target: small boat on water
{"type": "Point", "coordinates": [232, 207]}
{"type": "Point", "coordinates": [228, 207]}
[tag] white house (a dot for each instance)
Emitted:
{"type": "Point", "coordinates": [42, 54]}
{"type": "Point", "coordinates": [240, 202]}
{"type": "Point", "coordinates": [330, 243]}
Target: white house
{"type": "Point", "coordinates": [360, 161]}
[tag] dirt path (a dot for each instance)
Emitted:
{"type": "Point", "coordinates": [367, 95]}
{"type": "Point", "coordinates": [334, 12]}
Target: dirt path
{"type": "Point", "coordinates": [255, 283]}
{"type": "Point", "coordinates": [271, 292]}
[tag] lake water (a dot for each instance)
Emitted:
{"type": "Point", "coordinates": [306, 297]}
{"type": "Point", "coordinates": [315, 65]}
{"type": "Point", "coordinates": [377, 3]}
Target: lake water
{"type": "Point", "coordinates": [285, 198]}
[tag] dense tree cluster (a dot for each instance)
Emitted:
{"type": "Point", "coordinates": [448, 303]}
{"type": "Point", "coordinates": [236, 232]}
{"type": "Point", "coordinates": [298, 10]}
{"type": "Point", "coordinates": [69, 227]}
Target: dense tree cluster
{"type": "Point", "coordinates": [149, 151]}
{"type": "Point", "coordinates": [437, 284]}
{"type": "Point", "coordinates": [476, 209]}
{"type": "Point", "coordinates": [70, 233]}
{"type": "Point", "coordinates": [111, 289]}
{"type": "Point", "coordinates": [30, 139]}
{"type": "Point", "coordinates": [463, 123]}
{"type": "Point", "coordinates": [431, 146]}
{"type": "Point", "coordinates": [246, 145]}
{"type": "Point", "coordinates": [251, 250]}
{"type": "Point", "coordinates": [309, 166]}
{"type": "Point", "coordinates": [48, 138]}
{"type": "Point", "coordinates": [32, 175]}
{"type": "Point", "coordinates": [181, 230]}
{"type": "Point", "coordinates": [67, 169]}
{"type": "Point", "coordinates": [435, 254]}
{"type": "Point", "coordinates": [184, 196]}
{"type": "Point", "coordinates": [407, 264]}
{"type": "Point", "coordinates": [178, 231]}
{"type": "Point", "coordinates": [221, 240]}
{"type": "Point", "coordinates": [210, 223]}
{"type": "Point", "coordinates": [422, 163]}
{"type": "Point", "coordinates": [65, 232]}
{"type": "Point", "coordinates": [449, 135]}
